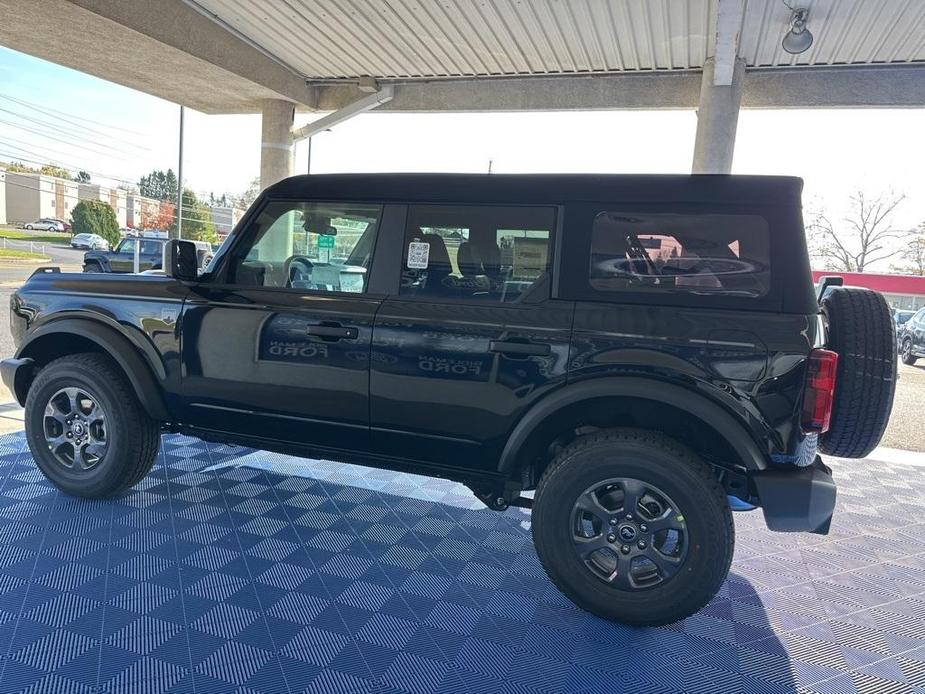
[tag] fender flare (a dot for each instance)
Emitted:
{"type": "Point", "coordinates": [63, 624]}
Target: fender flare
{"type": "Point", "coordinates": [102, 261]}
{"type": "Point", "coordinates": [137, 368]}
{"type": "Point", "coordinates": [697, 405]}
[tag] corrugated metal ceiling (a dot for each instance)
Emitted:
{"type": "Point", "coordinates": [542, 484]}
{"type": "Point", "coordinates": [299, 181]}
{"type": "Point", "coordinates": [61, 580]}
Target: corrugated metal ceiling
{"type": "Point", "coordinates": [402, 39]}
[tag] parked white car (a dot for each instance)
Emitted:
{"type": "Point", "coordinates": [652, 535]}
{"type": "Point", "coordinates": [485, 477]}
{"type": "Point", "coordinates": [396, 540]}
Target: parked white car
{"type": "Point", "coordinates": [90, 242]}
{"type": "Point", "coordinates": [45, 224]}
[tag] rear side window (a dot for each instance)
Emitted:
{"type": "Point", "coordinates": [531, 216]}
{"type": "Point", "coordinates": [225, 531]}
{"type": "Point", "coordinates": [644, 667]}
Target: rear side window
{"type": "Point", "coordinates": [476, 253]}
{"type": "Point", "coordinates": [723, 254]}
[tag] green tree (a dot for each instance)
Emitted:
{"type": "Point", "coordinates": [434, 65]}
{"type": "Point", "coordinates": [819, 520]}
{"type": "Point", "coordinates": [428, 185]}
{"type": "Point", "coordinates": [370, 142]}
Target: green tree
{"type": "Point", "coordinates": [83, 177]}
{"type": "Point", "coordinates": [160, 185]}
{"type": "Point", "coordinates": [197, 220]}
{"type": "Point", "coordinates": [19, 167]}
{"type": "Point", "coordinates": [56, 171]}
{"type": "Point", "coordinates": [45, 170]}
{"type": "Point", "coordinates": [95, 217]}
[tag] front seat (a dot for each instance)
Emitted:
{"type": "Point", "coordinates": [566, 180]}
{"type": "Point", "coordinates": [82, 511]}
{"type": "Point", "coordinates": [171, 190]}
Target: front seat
{"type": "Point", "coordinates": [468, 262]}
{"type": "Point", "coordinates": [438, 265]}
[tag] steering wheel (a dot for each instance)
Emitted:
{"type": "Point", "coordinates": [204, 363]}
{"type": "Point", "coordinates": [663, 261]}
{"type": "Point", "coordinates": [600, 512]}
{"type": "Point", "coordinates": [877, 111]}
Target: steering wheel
{"type": "Point", "coordinates": [298, 269]}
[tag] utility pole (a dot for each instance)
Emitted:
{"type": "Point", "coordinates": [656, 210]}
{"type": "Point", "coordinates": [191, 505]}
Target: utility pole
{"type": "Point", "coordinates": [180, 181]}
{"type": "Point", "coordinates": [309, 168]}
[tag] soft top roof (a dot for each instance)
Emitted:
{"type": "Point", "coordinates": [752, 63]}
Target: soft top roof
{"type": "Point", "coordinates": [542, 188]}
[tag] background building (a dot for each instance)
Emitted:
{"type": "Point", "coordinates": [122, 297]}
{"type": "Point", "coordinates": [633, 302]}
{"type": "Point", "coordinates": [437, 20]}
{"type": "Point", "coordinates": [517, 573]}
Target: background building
{"type": "Point", "coordinates": [114, 197]}
{"type": "Point", "coordinates": [141, 212]}
{"type": "Point", "coordinates": [901, 291]}
{"type": "Point", "coordinates": [32, 196]}
{"type": "Point", "coordinates": [224, 218]}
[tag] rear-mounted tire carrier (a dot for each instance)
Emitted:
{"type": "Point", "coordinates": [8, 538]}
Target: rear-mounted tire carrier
{"type": "Point", "coordinates": [861, 332]}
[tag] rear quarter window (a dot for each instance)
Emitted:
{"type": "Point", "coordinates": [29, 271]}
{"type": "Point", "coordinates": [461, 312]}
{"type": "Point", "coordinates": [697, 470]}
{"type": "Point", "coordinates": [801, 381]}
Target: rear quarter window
{"type": "Point", "coordinates": [680, 253]}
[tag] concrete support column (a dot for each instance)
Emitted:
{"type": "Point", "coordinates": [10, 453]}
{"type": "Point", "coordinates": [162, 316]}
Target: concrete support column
{"type": "Point", "coordinates": [276, 147]}
{"type": "Point", "coordinates": [717, 117]}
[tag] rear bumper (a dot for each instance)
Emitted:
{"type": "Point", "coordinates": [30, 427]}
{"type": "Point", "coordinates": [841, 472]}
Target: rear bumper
{"type": "Point", "coordinates": [800, 500]}
{"type": "Point", "coordinates": [15, 374]}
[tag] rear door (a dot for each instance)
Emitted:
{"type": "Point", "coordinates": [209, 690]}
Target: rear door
{"type": "Point", "coordinates": [472, 338]}
{"type": "Point", "coordinates": [276, 345]}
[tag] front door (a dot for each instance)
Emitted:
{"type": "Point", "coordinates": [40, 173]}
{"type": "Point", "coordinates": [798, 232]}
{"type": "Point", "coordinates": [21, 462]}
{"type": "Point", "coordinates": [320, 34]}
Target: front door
{"type": "Point", "coordinates": [123, 259]}
{"type": "Point", "coordinates": [276, 345]}
{"type": "Point", "coordinates": [472, 338]}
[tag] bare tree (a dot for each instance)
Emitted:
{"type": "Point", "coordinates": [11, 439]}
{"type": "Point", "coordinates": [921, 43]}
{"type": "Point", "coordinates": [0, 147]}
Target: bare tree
{"type": "Point", "coordinates": [913, 254]}
{"type": "Point", "coordinates": [864, 236]}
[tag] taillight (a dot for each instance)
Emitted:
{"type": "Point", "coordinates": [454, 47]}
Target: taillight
{"type": "Point", "coordinates": [819, 393]}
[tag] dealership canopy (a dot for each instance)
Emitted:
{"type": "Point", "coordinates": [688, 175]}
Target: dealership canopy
{"type": "Point", "coordinates": [349, 56]}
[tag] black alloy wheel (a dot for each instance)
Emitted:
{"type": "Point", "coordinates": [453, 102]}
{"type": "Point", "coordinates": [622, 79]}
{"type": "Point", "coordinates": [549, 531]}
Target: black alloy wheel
{"type": "Point", "coordinates": [629, 533]}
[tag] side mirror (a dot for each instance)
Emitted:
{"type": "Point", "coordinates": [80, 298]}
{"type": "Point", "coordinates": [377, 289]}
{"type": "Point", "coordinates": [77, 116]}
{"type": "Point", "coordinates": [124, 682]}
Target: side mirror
{"type": "Point", "coordinates": [181, 260]}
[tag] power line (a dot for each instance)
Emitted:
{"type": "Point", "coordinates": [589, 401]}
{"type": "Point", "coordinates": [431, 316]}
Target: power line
{"type": "Point", "coordinates": [71, 116]}
{"type": "Point", "coordinates": [68, 131]}
{"type": "Point", "coordinates": [53, 159]}
{"type": "Point", "coordinates": [46, 161]}
{"type": "Point", "coordinates": [118, 154]}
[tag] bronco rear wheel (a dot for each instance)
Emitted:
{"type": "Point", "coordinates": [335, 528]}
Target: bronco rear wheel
{"type": "Point", "coordinates": [86, 429]}
{"type": "Point", "coordinates": [862, 332]}
{"type": "Point", "coordinates": [634, 527]}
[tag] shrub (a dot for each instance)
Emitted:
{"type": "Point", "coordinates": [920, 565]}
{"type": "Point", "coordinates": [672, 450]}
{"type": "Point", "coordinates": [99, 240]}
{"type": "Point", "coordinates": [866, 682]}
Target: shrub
{"type": "Point", "coordinates": [95, 217]}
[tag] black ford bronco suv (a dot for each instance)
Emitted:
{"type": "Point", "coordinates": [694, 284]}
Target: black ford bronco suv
{"type": "Point", "coordinates": [642, 352]}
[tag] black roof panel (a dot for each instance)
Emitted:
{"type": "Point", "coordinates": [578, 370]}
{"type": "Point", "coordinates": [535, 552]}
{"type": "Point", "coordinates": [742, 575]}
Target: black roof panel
{"type": "Point", "coordinates": [542, 188]}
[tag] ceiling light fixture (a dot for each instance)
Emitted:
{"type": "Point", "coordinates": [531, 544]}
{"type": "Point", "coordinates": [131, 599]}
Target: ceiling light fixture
{"type": "Point", "coordinates": [798, 39]}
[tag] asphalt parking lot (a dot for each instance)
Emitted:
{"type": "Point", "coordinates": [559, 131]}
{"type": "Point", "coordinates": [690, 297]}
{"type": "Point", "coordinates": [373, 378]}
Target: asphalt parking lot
{"type": "Point", "coordinates": [907, 424]}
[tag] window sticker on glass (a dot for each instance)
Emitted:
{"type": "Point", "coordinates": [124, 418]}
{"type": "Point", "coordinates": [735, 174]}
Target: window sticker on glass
{"type": "Point", "coordinates": [418, 255]}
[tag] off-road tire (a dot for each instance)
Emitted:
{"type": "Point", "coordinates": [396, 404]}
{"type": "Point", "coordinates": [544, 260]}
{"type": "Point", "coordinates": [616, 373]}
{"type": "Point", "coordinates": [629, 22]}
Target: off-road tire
{"type": "Point", "coordinates": [651, 458]}
{"type": "Point", "coordinates": [134, 438]}
{"type": "Point", "coordinates": [92, 266]}
{"type": "Point", "coordinates": [907, 356]}
{"type": "Point", "coordinates": [862, 332]}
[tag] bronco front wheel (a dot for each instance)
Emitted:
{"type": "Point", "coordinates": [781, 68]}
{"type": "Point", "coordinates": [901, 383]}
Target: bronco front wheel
{"type": "Point", "coordinates": [634, 527]}
{"type": "Point", "coordinates": [86, 429]}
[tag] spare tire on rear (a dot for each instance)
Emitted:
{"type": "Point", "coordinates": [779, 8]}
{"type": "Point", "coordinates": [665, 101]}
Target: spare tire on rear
{"type": "Point", "coordinates": [861, 331]}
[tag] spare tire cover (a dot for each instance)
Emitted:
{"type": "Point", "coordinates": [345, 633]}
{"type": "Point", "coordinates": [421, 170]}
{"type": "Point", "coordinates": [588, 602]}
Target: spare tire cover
{"type": "Point", "coordinates": [861, 331]}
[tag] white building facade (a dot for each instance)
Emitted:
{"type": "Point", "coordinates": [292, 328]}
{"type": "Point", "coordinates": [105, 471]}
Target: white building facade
{"type": "Point", "coordinates": [30, 197]}
{"type": "Point", "coordinates": [224, 218]}
{"type": "Point", "coordinates": [141, 212]}
{"type": "Point", "coordinates": [114, 197]}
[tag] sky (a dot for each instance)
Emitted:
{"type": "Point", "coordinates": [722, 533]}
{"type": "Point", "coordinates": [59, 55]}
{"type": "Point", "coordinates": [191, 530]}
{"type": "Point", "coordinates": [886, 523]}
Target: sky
{"type": "Point", "coordinates": [123, 134]}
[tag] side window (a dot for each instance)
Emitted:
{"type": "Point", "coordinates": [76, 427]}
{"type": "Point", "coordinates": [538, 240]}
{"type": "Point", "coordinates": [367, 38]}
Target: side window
{"type": "Point", "coordinates": [475, 253]}
{"type": "Point", "coordinates": [152, 247]}
{"type": "Point", "coordinates": [128, 246]}
{"type": "Point", "coordinates": [726, 254]}
{"type": "Point", "coordinates": [317, 246]}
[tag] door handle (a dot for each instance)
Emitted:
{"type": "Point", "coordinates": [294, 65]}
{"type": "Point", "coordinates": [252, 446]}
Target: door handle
{"type": "Point", "coordinates": [520, 349]}
{"type": "Point", "coordinates": [332, 331]}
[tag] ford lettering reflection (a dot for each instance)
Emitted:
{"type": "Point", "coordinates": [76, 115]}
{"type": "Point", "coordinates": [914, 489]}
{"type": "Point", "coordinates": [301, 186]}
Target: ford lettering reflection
{"type": "Point", "coordinates": [284, 338]}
